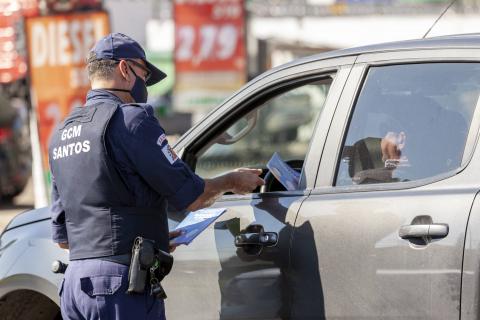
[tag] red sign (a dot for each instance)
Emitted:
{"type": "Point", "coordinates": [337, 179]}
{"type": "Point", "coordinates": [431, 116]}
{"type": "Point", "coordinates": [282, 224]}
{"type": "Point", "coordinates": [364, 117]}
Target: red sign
{"type": "Point", "coordinates": [59, 45]}
{"type": "Point", "coordinates": [209, 35]}
{"type": "Point", "coordinates": [29, 7]}
{"type": "Point", "coordinates": [13, 61]}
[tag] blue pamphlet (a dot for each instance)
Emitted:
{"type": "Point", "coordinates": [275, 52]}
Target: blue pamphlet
{"type": "Point", "coordinates": [195, 223]}
{"type": "Point", "coordinates": [288, 177]}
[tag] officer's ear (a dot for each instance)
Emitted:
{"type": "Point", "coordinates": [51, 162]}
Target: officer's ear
{"type": "Point", "coordinates": [124, 69]}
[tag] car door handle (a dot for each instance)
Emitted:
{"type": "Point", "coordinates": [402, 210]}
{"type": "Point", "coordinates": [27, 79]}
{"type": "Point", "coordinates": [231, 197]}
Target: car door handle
{"type": "Point", "coordinates": [264, 239]}
{"type": "Point", "coordinates": [435, 230]}
{"type": "Point", "coordinates": [255, 236]}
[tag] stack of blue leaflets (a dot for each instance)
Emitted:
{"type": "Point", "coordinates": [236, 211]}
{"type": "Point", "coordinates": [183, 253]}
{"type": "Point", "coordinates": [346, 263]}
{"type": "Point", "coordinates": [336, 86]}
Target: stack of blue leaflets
{"type": "Point", "coordinates": [288, 177]}
{"type": "Point", "coordinates": [195, 223]}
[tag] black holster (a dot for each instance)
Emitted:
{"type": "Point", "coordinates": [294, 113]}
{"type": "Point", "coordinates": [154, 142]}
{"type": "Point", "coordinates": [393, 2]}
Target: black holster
{"type": "Point", "coordinates": [147, 263]}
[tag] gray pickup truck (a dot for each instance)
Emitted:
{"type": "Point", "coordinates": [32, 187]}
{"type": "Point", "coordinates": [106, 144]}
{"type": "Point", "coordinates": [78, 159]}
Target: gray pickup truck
{"type": "Point", "coordinates": [381, 225]}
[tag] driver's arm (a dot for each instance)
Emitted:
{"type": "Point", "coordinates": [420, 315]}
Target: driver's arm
{"type": "Point", "coordinates": [240, 181]}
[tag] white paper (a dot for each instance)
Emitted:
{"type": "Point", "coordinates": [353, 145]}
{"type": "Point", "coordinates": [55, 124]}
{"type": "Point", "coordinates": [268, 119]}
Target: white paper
{"type": "Point", "coordinates": [288, 177]}
{"type": "Point", "coordinates": [194, 223]}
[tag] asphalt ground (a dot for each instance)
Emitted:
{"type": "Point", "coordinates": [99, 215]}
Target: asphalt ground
{"type": "Point", "coordinates": [21, 203]}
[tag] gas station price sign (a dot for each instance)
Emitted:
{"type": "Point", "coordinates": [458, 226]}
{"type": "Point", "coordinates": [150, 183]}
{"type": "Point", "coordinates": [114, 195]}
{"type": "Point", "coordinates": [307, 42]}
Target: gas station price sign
{"type": "Point", "coordinates": [209, 35]}
{"type": "Point", "coordinates": [210, 54]}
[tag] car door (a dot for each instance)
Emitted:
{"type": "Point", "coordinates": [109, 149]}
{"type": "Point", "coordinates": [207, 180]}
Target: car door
{"type": "Point", "coordinates": [394, 190]}
{"type": "Point", "coordinates": [228, 272]}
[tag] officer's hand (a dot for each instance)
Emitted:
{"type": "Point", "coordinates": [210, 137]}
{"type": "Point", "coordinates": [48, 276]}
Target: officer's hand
{"type": "Point", "coordinates": [63, 245]}
{"type": "Point", "coordinates": [245, 180]}
{"type": "Point", "coordinates": [171, 235]}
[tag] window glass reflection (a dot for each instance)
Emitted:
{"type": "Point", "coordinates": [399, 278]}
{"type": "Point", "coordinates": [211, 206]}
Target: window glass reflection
{"type": "Point", "coordinates": [409, 122]}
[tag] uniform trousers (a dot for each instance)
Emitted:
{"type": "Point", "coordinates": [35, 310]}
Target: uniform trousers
{"type": "Point", "coordinates": [96, 289]}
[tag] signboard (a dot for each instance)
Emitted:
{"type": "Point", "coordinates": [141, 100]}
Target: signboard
{"type": "Point", "coordinates": [30, 8]}
{"type": "Point", "coordinates": [13, 61]}
{"type": "Point", "coordinates": [210, 57]}
{"type": "Point", "coordinates": [58, 47]}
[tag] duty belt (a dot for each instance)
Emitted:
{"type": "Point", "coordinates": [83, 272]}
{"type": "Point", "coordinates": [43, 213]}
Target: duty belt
{"type": "Point", "coordinates": [124, 259]}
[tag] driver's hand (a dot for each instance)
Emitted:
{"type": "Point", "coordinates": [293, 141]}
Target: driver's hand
{"type": "Point", "coordinates": [392, 145]}
{"type": "Point", "coordinates": [245, 180]}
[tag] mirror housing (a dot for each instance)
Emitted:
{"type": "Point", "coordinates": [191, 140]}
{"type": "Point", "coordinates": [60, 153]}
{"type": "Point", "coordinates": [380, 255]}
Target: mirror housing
{"type": "Point", "coordinates": [225, 138]}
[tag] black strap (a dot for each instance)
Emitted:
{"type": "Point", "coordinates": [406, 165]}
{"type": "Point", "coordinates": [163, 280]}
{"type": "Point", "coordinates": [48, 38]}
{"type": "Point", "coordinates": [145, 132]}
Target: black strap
{"type": "Point", "coordinates": [115, 89]}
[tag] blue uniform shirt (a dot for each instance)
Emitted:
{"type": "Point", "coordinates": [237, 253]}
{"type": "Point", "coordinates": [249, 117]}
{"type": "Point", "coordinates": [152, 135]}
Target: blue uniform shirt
{"type": "Point", "coordinates": [151, 171]}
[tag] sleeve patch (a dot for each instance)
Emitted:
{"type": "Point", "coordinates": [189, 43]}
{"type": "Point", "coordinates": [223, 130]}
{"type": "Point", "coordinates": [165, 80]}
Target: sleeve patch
{"type": "Point", "coordinates": [169, 154]}
{"type": "Point", "coordinates": [161, 139]}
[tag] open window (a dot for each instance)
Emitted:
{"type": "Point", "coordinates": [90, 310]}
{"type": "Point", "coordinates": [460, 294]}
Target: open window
{"type": "Point", "coordinates": [282, 121]}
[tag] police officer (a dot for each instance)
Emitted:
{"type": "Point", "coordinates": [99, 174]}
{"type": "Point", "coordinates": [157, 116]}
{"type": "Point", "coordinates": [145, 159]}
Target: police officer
{"type": "Point", "coordinates": [113, 176]}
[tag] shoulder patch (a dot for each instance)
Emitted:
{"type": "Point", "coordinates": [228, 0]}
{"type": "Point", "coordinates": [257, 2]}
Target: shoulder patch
{"type": "Point", "coordinates": [161, 139]}
{"type": "Point", "coordinates": [169, 154]}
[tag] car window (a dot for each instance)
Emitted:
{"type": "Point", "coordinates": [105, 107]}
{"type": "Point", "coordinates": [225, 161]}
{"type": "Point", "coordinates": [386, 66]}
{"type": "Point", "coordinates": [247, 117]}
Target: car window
{"type": "Point", "coordinates": [409, 122]}
{"type": "Point", "coordinates": [283, 124]}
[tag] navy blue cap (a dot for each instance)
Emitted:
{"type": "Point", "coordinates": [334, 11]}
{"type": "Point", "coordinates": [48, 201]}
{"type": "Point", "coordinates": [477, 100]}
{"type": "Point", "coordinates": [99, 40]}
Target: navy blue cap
{"type": "Point", "coordinates": [119, 46]}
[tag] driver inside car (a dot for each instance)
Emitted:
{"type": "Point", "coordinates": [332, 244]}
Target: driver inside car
{"type": "Point", "coordinates": [373, 160]}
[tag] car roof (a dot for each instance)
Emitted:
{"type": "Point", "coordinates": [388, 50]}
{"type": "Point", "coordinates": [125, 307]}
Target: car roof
{"type": "Point", "coordinates": [471, 40]}
{"type": "Point", "coordinates": [456, 41]}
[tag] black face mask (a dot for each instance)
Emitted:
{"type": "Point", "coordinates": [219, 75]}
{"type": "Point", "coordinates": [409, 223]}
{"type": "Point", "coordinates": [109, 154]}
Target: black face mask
{"type": "Point", "coordinates": [138, 92]}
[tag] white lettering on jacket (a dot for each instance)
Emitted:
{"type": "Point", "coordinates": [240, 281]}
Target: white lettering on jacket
{"type": "Point", "coordinates": [72, 132]}
{"type": "Point", "coordinates": [71, 149]}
